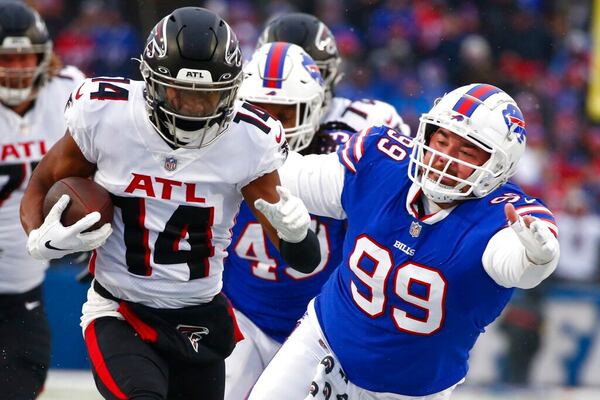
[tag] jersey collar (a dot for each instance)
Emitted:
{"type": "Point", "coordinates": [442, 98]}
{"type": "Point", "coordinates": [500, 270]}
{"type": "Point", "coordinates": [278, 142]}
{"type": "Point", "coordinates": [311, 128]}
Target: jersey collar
{"type": "Point", "coordinates": [414, 194]}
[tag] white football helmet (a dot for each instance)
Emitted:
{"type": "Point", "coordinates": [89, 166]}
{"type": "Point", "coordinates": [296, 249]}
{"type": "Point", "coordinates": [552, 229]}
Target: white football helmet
{"type": "Point", "coordinates": [283, 73]}
{"type": "Point", "coordinates": [488, 118]}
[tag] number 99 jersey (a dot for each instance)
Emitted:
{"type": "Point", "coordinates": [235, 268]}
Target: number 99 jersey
{"type": "Point", "coordinates": [411, 296]}
{"type": "Point", "coordinates": [174, 208]}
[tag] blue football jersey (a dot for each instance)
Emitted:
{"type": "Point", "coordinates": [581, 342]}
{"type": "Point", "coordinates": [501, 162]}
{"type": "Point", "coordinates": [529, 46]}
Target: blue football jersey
{"type": "Point", "coordinates": [410, 298]}
{"type": "Point", "coordinates": [259, 282]}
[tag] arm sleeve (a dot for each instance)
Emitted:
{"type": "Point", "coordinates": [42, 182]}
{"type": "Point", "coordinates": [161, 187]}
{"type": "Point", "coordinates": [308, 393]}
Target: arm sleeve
{"type": "Point", "coordinates": [317, 179]}
{"type": "Point", "coordinates": [505, 262]}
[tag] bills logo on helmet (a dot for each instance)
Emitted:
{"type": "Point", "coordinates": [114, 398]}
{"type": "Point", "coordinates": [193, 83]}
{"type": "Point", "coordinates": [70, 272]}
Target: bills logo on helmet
{"type": "Point", "coordinates": [515, 122]}
{"type": "Point", "coordinates": [457, 117]}
{"type": "Point", "coordinates": [311, 67]}
{"type": "Point", "coordinates": [157, 47]}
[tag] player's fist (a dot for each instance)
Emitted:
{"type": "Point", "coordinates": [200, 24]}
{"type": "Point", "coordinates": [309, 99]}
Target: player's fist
{"type": "Point", "coordinates": [289, 215]}
{"type": "Point", "coordinates": [541, 246]}
{"type": "Point", "coordinates": [54, 240]}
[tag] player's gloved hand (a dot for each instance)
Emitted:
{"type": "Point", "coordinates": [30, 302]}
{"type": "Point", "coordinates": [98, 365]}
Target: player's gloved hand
{"type": "Point", "coordinates": [541, 246]}
{"type": "Point", "coordinates": [53, 240]}
{"type": "Point", "coordinates": [289, 215]}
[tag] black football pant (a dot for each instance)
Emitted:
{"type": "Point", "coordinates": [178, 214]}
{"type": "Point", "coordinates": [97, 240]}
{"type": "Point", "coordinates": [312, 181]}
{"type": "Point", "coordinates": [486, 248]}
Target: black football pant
{"type": "Point", "coordinates": [24, 345]}
{"type": "Point", "coordinates": [126, 367]}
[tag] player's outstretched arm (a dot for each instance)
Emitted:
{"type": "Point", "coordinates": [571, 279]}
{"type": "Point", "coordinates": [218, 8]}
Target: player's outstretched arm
{"type": "Point", "coordinates": [318, 179]}
{"type": "Point", "coordinates": [522, 255]}
{"type": "Point", "coordinates": [48, 238]}
{"type": "Point", "coordinates": [286, 220]}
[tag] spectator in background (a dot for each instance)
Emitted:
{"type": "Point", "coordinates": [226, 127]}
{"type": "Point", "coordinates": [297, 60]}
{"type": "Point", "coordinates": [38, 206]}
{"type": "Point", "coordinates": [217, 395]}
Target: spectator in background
{"type": "Point", "coordinates": [579, 239]}
{"type": "Point", "coordinates": [34, 89]}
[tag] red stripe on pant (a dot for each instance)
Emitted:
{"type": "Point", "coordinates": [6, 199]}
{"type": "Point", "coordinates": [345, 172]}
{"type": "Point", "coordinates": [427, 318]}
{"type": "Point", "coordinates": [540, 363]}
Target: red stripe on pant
{"type": "Point", "coordinates": [99, 363]}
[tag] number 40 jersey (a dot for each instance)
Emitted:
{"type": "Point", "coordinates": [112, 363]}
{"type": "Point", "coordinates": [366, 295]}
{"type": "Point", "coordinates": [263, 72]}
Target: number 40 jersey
{"type": "Point", "coordinates": [174, 208]}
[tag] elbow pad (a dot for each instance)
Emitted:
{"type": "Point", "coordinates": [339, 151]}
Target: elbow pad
{"type": "Point", "coordinates": [303, 256]}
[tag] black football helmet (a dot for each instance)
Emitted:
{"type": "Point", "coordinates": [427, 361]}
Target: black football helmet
{"type": "Point", "coordinates": [22, 31]}
{"type": "Point", "coordinates": [310, 33]}
{"type": "Point", "coordinates": [192, 66]}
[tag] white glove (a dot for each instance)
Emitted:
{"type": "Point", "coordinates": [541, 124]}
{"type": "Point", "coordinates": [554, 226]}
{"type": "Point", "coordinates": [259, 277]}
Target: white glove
{"type": "Point", "coordinates": [289, 215]}
{"type": "Point", "coordinates": [541, 246]}
{"type": "Point", "coordinates": [53, 240]}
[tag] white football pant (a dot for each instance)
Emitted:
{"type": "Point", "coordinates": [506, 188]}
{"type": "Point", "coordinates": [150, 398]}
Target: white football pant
{"type": "Point", "coordinates": [298, 363]}
{"type": "Point", "coordinates": [248, 360]}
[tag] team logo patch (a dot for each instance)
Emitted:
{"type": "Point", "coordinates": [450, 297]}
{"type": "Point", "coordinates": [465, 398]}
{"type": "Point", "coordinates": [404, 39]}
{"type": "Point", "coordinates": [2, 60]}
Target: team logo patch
{"type": "Point", "coordinates": [312, 69]}
{"type": "Point", "coordinates": [157, 46]}
{"type": "Point", "coordinates": [194, 333]}
{"type": "Point", "coordinates": [457, 117]}
{"type": "Point", "coordinates": [170, 163]}
{"type": "Point", "coordinates": [515, 122]}
{"type": "Point", "coordinates": [415, 229]}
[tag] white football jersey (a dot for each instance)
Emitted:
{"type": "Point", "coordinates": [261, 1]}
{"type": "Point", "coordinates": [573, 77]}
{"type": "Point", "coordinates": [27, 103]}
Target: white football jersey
{"type": "Point", "coordinates": [365, 113]}
{"type": "Point", "coordinates": [23, 142]}
{"type": "Point", "coordinates": [174, 209]}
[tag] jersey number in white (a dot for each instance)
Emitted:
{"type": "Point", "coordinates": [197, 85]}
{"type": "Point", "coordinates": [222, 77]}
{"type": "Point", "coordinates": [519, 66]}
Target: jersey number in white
{"type": "Point", "coordinates": [391, 148]}
{"type": "Point", "coordinates": [252, 246]}
{"type": "Point", "coordinates": [407, 276]}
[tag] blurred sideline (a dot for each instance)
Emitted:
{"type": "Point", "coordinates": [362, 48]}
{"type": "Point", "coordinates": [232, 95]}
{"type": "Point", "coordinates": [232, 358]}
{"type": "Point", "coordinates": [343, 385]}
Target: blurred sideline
{"type": "Point", "coordinates": [79, 385]}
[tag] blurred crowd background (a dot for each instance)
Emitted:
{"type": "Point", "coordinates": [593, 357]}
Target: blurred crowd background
{"type": "Point", "coordinates": [408, 53]}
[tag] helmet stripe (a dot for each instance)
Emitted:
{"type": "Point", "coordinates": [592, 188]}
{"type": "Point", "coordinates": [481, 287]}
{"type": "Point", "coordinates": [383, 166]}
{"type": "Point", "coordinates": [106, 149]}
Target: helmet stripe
{"type": "Point", "coordinates": [272, 76]}
{"type": "Point", "coordinates": [467, 104]}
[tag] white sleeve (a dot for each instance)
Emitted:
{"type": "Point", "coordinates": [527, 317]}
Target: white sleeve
{"type": "Point", "coordinates": [505, 262]}
{"type": "Point", "coordinates": [318, 179]}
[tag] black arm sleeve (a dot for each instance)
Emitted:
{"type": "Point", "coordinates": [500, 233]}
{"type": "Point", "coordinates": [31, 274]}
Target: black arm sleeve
{"type": "Point", "coordinates": [303, 256]}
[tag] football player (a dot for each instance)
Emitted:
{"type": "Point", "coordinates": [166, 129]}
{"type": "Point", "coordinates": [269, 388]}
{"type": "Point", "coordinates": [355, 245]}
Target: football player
{"type": "Point", "coordinates": [268, 295]}
{"type": "Point", "coordinates": [310, 33]}
{"type": "Point", "coordinates": [34, 89]}
{"type": "Point", "coordinates": [429, 259]}
{"type": "Point", "coordinates": [178, 154]}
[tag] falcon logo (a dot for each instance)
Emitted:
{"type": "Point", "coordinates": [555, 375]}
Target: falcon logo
{"type": "Point", "coordinates": [194, 333]}
{"type": "Point", "coordinates": [324, 41]}
{"type": "Point", "coordinates": [233, 53]}
{"type": "Point", "coordinates": [157, 47]}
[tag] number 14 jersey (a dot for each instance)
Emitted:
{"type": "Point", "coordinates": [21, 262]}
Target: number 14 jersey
{"type": "Point", "coordinates": [174, 208]}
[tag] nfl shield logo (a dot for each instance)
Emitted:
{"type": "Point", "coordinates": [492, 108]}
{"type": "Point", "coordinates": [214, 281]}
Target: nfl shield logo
{"type": "Point", "coordinates": [415, 229]}
{"type": "Point", "coordinates": [170, 163]}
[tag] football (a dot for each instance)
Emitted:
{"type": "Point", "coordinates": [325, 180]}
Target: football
{"type": "Point", "coordinates": [86, 196]}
